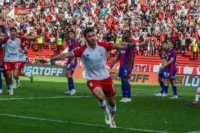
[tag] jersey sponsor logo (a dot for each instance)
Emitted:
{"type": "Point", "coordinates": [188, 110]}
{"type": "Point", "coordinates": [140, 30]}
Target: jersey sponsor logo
{"type": "Point", "coordinates": [87, 55]}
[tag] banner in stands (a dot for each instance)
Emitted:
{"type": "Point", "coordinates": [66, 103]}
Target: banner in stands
{"type": "Point", "coordinates": [45, 70]}
{"type": "Point", "coordinates": [22, 11]}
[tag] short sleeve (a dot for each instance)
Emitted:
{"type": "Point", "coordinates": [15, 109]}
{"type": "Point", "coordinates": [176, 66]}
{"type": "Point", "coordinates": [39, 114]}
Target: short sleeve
{"type": "Point", "coordinates": [5, 39]}
{"type": "Point", "coordinates": [172, 54]}
{"type": "Point", "coordinates": [107, 46]}
{"type": "Point", "coordinates": [23, 46]}
{"type": "Point", "coordinates": [22, 38]}
{"type": "Point", "coordinates": [77, 52]}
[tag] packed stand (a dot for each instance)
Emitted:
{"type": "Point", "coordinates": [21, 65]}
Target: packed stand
{"type": "Point", "coordinates": [160, 20]}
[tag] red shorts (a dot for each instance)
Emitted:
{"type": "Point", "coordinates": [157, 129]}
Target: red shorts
{"type": "Point", "coordinates": [7, 66]}
{"type": "Point", "coordinates": [105, 84]}
{"type": "Point", "coordinates": [21, 64]}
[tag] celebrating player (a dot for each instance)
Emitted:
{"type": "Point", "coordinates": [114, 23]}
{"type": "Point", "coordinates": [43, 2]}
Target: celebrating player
{"type": "Point", "coordinates": [22, 61]}
{"type": "Point", "coordinates": [71, 63]}
{"type": "Point", "coordinates": [2, 29]}
{"type": "Point", "coordinates": [171, 71]}
{"type": "Point", "coordinates": [163, 56]}
{"type": "Point", "coordinates": [13, 48]}
{"type": "Point", "coordinates": [126, 57]}
{"type": "Point", "coordinates": [94, 57]}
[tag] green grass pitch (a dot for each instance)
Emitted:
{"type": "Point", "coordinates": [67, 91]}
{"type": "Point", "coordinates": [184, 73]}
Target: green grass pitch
{"type": "Point", "coordinates": [41, 107]}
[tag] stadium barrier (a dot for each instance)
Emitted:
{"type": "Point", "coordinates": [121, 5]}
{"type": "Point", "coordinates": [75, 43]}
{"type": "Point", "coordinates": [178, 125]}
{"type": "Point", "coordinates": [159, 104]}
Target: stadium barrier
{"type": "Point", "coordinates": [136, 77]}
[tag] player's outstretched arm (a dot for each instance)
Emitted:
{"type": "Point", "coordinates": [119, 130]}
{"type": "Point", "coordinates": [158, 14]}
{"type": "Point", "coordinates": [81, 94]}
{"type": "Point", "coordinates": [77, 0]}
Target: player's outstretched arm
{"type": "Point", "coordinates": [123, 45]}
{"type": "Point", "coordinates": [62, 56]}
{"type": "Point", "coordinates": [34, 37]}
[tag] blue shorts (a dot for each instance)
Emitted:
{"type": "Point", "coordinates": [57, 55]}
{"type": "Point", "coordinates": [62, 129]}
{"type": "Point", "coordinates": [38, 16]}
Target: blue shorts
{"type": "Point", "coordinates": [161, 74]}
{"type": "Point", "coordinates": [1, 69]}
{"type": "Point", "coordinates": [170, 75]}
{"type": "Point", "coordinates": [71, 68]}
{"type": "Point", "coordinates": [123, 73]}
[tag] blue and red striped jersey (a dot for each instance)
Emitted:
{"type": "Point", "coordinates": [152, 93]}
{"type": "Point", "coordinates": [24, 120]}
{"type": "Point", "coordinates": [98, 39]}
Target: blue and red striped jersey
{"type": "Point", "coordinates": [1, 48]}
{"type": "Point", "coordinates": [125, 56]}
{"type": "Point", "coordinates": [172, 66]}
{"type": "Point", "coordinates": [72, 45]}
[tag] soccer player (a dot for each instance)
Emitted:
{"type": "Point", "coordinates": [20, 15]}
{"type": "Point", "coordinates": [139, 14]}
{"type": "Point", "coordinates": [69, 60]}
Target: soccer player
{"type": "Point", "coordinates": [2, 30]}
{"type": "Point", "coordinates": [126, 57]}
{"type": "Point", "coordinates": [197, 96]}
{"type": "Point", "coordinates": [12, 46]}
{"type": "Point", "coordinates": [171, 70]}
{"type": "Point", "coordinates": [71, 63]}
{"type": "Point", "coordinates": [163, 56]}
{"type": "Point", "coordinates": [22, 61]}
{"type": "Point", "coordinates": [94, 57]}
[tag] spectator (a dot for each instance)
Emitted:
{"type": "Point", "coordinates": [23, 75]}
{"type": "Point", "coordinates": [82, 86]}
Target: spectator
{"type": "Point", "coordinates": [59, 44]}
{"type": "Point", "coordinates": [36, 59]}
{"type": "Point", "coordinates": [40, 42]}
{"type": "Point", "coordinates": [195, 51]}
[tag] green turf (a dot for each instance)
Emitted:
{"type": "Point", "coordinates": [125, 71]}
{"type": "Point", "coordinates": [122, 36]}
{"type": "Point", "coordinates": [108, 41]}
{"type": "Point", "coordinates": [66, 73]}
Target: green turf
{"type": "Point", "coordinates": [66, 114]}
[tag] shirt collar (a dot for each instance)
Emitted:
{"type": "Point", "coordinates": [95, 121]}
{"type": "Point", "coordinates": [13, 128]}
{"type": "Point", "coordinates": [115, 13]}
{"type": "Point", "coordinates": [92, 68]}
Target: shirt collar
{"type": "Point", "coordinates": [92, 48]}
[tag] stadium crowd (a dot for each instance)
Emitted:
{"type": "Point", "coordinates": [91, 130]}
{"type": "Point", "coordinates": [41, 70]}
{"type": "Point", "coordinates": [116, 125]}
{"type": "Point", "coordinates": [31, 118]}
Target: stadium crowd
{"type": "Point", "coordinates": [176, 20]}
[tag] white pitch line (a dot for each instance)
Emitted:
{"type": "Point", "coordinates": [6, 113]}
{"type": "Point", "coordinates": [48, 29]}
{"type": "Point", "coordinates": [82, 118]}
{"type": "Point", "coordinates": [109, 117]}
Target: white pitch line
{"type": "Point", "coordinates": [194, 132]}
{"type": "Point", "coordinates": [80, 123]}
{"type": "Point", "coordinates": [58, 97]}
{"type": "Point", "coordinates": [30, 98]}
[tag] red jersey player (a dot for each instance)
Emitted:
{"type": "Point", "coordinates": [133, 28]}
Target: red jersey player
{"type": "Point", "coordinates": [22, 61]}
{"type": "Point", "coordinates": [94, 57]}
{"type": "Point", "coordinates": [12, 46]}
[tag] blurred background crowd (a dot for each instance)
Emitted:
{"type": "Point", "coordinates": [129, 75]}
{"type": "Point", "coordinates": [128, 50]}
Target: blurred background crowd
{"type": "Point", "coordinates": [175, 20]}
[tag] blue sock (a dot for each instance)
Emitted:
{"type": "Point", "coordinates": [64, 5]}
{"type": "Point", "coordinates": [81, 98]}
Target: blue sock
{"type": "Point", "coordinates": [128, 89]}
{"type": "Point", "coordinates": [163, 89]}
{"type": "Point", "coordinates": [0, 81]}
{"type": "Point", "coordinates": [174, 90]}
{"type": "Point", "coordinates": [123, 87]}
{"type": "Point", "coordinates": [6, 79]}
{"type": "Point", "coordinates": [161, 84]}
{"type": "Point", "coordinates": [70, 83]}
{"type": "Point", "coordinates": [166, 91]}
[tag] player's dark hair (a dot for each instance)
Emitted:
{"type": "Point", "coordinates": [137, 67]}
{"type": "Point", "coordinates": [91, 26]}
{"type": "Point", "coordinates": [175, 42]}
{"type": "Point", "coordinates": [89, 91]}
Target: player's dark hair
{"type": "Point", "coordinates": [87, 30]}
{"type": "Point", "coordinates": [71, 31]}
{"type": "Point", "coordinates": [11, 29]}
{"type": "Point", "coordinates": [2, 28]}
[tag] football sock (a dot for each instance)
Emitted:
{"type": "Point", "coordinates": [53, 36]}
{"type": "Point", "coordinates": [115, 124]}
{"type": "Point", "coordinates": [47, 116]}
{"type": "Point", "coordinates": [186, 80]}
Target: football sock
{"type": "Point", "coordinates": [27, 74]}
{"type": "Point", "coordinates": [166, 90]}
{"type": "Point", "coordinates": [161, 84]}
{"type": "Point", "coordinates": [15, 81]}
{"type": "Point", "coordinates": [0, 81]}
{"type": "Point", "coordinates": [127, 89]}
{"type": "Point", "coordinates": [112, 111]}
{"type": "Point", "coordinates": [163, 89]}
{"type": "Point", "coordinates": [104, 106]}
{"type": "Point", "coordinates": [197, 94]}
{"type": "Point", "coordinates": [70, 83]}
{"type": "Point", "coordinates": [6, 79]}
{"type": "Point", "coordinates": [123, 87]}
{"type": "Point", "coordinates": [174, 90]}
{"type": "Point", "coordinates": [10, 87]}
